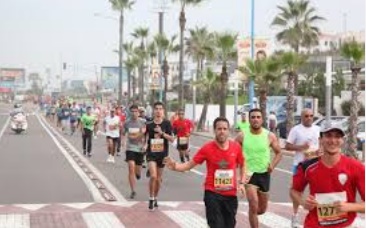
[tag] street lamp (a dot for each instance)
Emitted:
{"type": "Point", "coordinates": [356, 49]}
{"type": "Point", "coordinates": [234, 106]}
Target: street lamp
{"type": "Point", "coordinates": [251, 81]}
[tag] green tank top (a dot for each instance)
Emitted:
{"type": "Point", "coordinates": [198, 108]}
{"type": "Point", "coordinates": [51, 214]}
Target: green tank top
{"type": "Point", "coordinates": [256, 151]}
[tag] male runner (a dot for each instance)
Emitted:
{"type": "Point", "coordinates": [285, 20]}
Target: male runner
{"type": "Point", "coordinates": [87, 126]}
{"type": "Point", "coordinates": [257, 143]}
{"type": "Point", "coordinates": [303, 139]}
{"type": "Point", "coordinates": [111, 125]}
{"type": "Point", "coordinates": [333, 180]}
{"type": "Point", "coordinates": [243, 124]}
{"type": "Point", "coordinates": [158, 136]}
{"type": "Point", "coordinates": [134, 130]}
{"type": "Point", "coordinates": [122, 116]}
{"type": "Point", "coordinates": [222, 157]}
{"type": "Point", "coordinates": [182, 127]}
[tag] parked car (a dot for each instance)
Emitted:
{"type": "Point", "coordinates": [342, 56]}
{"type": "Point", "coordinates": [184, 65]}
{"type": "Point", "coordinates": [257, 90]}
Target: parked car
{"type": "Point", "coordinates": [320, 121]}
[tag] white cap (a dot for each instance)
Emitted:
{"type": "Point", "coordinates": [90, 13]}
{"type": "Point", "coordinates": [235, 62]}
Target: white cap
{"type": "Point", "coordinates": [331, 126]}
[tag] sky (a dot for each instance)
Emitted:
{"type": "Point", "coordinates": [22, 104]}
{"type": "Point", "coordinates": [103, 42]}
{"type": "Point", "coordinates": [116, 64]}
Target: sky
{"type": "Point", "coordinates": [41, 34]}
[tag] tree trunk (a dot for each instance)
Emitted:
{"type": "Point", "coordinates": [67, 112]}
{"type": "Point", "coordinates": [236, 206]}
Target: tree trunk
{"type": "Point", "coordinates": [134, 84]}
{"type": "Point", "coordinates": [202, 120]}
{"type": "Point", "coordinates": [128, 86]}
{"type": "Point", "coordinates": [141, 84]}
{"type": "Point", "coordinates": [165, 72]}
{"type": "Point", "coordinates": [224, 79]}
{"type": "Point", "coordinates": [352, 136]}
{"type": "Point", "coordinates": [290, 102]}
{"type": "Point", "coordinates": [120, 58]}
{"type": "Point", "coordinates": [182, 24]}
{"type": "Point", "coordinates": [263, 105]}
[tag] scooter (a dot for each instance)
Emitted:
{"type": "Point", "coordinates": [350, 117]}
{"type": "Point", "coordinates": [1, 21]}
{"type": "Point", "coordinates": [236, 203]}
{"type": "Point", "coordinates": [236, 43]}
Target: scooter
{"type": "Point", "coordinates": [19, 123]}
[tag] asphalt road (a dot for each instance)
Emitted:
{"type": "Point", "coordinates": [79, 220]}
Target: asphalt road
{"type": "Point", "coordinates": [33, 170]}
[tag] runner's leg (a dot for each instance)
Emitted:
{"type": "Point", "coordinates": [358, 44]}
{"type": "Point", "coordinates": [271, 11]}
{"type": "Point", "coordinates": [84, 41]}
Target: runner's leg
{"type": "Point", "coordinates": [252, 197]}
{"type": "Point", "coordinates": [262, 202]}
{"type": "Point", "coordinates": [131, 177]}
{"type": "Point", "coordinates": [152, 166]}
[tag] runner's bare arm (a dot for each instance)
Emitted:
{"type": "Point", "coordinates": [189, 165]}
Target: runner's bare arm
{"type": "Point", "coordinates": [170, 138]}
{"type": "Point", "coordinates": [180, 167]}
{"type": "Point", "coordinates": [239, 138]}
{"type": "Point", "coordinates": [276, 149]}
{"type": "Point", "coordinates": [350, 207]}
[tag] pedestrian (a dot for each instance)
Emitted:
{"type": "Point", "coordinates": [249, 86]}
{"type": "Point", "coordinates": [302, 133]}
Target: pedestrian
{"type": "Point", "coordinates": [223, 157]}
{"type": "Point", "coordinates": [257, 143]}
{"type": "Point", "coordinates": [134, 131]}
{"type": "Point", "coordinates": [122, 116]}
{"type": "Point", "coordinates": [87, 126]}
{"type": "Point", "coordinates": [272, 122]}
{"type": "Point", "coordinates": [304, 140]}
{"type": "Point", "coordinates": [158, 136]}
{"type": "Point", "coordinates": [243, 124]}
{"type": "Point", "coordinates": [333, 181]}
{"type": "Point", "coordinates": [182, 128]}
{"type": "Point", "coordinates": [111, 126]}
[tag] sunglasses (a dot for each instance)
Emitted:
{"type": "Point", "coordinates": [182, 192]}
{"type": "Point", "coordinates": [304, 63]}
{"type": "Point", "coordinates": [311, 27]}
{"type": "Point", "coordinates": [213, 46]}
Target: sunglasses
{"type": "Point", "coordinates": [307, 116]}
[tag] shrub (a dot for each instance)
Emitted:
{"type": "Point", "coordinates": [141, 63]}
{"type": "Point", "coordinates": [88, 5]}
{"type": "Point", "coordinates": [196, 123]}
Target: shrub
{"type": "Point", "coordinates": [346, 108]}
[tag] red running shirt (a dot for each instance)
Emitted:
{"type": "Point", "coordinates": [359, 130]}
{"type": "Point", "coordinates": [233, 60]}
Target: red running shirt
{"type": "Point", "coordinates": [182, 127]}
{"type": "Point", "coordinates": [221, 167]}
{"type": "Point", "coordinates": [347, 177]}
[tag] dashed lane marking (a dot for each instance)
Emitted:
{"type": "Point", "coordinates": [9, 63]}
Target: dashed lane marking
{"type": "Point", "coordinates": [187, 219]}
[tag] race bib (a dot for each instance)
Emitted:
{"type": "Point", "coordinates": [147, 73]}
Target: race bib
{"type": "Point", "coordinates": [157, 145]}
{"type": "Point", "coordinates": [327, 213]}
{"type": "Point", "coordinates": [133, 132]}
{"type": "Point", "coordinates": [66, 113]}
{"type": "Point", "coordinates": [183, 140]}
{"type": "Point", "coordinates": [224, 179]}
{"type": "Point", "coordinates": [113, 127]}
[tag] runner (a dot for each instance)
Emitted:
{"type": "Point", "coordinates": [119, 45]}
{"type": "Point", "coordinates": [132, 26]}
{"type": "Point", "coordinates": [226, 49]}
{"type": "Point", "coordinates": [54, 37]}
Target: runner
{"type": "Point", "coordinates": [97, 113]}
{"type": "Point", "coordinates": [272, 122]}
{"type": "Point", "coordinates": [222, 157]}
{"type": "Point", "coordinates": [65, 117]}
{"type": "Point", "coordinates": [73, 117]}
{"type": "Point", "coordinates": [134, 130]}
{"type": "Point", "coordinates": [333, 180]}
{"type": "Point", "coordinates": [182, 127]}
{"type": "Point", "coordinates": [122, 116]}
{"type": "Point", "coordinates": [111, 125]}
{"type": "Point", "coordinates": [257, 143]}
{"type": "Point", "coordinates": [243, 124]}
{"type": "Point", "coordinates": [158, 133]}
{"type": "Point", "coordinates": [87, 126]}
{"type": "Point", "coordinates": [303, 139]}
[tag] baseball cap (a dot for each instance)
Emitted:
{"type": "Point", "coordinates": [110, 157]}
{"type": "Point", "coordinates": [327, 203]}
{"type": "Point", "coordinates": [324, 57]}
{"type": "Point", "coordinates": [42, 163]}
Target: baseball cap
{"type": "Point", "coordinates": [331, 126]}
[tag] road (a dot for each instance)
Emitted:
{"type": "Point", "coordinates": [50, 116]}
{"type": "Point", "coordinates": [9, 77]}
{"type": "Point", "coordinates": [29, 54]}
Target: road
{"type": "Point", "coordinates": [44, 175]}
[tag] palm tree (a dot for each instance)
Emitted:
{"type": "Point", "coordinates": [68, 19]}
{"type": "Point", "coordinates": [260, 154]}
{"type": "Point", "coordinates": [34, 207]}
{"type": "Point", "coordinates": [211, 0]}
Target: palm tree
{"type": "Point", "coordinates": [141, 33]}
{"type": "Point", "coordinates": [130, 64]}
{"type": "Point", "coordinates": [200, 46]}
{"type": "Point", "coordinates": [355, 52]}
{"type": "Point", "coordinates": [264, 72]}
{"type": "Point", "coordinates": [206, 84]}
{"type": "Point", "coordinates": [167, 47]}
{"type": "Point", "coordinates": [297, 20]}
{"type": "Point", "coordinates": [121, 6]}
{"type": "Point", "coordinates": [182, 25]}
{"type": "Point", "coordinates": [225, 50]}
{"type": "Point", "coordinates": [291, 62]}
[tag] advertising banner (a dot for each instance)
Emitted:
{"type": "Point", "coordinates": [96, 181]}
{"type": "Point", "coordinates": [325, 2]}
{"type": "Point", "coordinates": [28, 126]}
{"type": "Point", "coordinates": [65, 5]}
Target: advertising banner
{"type": "Point", "coordinates": [16, 75]}
{"type": "Point", "coordinates": [109, 78]}
{"type": "Point", "coordinates": [261, 49]}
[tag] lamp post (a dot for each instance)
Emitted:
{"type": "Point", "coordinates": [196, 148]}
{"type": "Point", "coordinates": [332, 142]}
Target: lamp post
{"type": "Point", "coordinates": [251, 81]}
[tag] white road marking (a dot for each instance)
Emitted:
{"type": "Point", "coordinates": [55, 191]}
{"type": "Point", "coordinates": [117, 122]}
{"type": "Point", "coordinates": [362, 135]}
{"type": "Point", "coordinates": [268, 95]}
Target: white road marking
{"type": "Point", "coordinates": [358, 223]}
{"type": "Point", "coordinates": [283, 170]}
{"type": "Point", "coordinates": [4, 127]}
{"type": "Point", "coordinates": [197, 172]}
{"type": "Point", "coordinates": [31, 207]}
{"type": "Point", "coordinates": [89, 184]}
{"type": "Point", "coordinates": [272, 220]}
{"type": "Point", "coordinates": [15, 221]}
{"type": "Point", "coordinates": [102, 220]}
{"type": "Point", "coordinates": [78, 205]}
{"type": "Point", "coordinates": [99, 175]}
{"type": "Point", "coordinates": [187, 219]}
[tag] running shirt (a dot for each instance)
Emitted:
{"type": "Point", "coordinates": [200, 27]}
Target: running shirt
{"type": "Point", "coordinates": [242, 125]}
{"type": "Point", "coordinates": [256, 150]}
{"type": "Point", "coordinates": [156, 143]}
{"type": "Point", "coordinates": [182, 127]}
{"type": "Point", "coordinates": [299, 135]}
{"type": "Point", "coordinates": [328, 185]}
{"type": "Point", "coordinates": [65, 113]}
{"type": "Point", "coordinates": [112, 126]}
{"type": "Point", "coordinates": [74, 114]}
{"type": "Point", "coordinates": [88, 121]}
{"type": "Point", "coordinates": [221, 167]}
{"type": "Point", "coordinates": [134, 130]}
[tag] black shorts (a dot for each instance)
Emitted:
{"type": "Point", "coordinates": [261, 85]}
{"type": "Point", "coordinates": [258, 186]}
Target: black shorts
{"type": "Point", "coordinates": [181, 146]}
{"type": "Point", "coordinates": [261, 180]}
{"type": "Point", "coordinates": [115, 140]}
{"type": "Point", "coordinates": [135, 156]}
{"type": "Point", "coordinates": [220, 210]}
{"type": "Point", "coordinates": [157, 157]}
